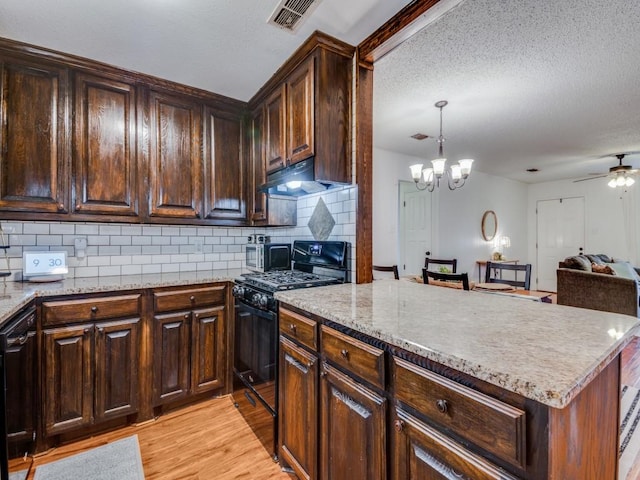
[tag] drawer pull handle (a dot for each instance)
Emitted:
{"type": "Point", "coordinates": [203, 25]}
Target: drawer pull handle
{"type": "Point", "coordinates": [399, 425]}
{"type": "Point", "coordinates": [344, 353]}
{"type": "Point", "coordinates": [192, 298]}
{"type": "Point", "coordinates": [292, 327]}
{"type": "Point", "coordinates": [323, 373]}
{"type": "Point", "coordinates": [442, 405]}
{"type": "Point", "coordinates": [94, 309]}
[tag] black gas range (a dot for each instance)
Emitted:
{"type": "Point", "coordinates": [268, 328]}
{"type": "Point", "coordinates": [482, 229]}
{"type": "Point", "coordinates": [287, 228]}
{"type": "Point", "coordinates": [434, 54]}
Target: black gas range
{"type": "Point", "coordinates": [314, 264]}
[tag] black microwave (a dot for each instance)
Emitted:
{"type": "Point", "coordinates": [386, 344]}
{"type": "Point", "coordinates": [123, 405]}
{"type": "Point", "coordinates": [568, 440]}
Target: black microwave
{"type": "Point", "coordinates": [262, 257]}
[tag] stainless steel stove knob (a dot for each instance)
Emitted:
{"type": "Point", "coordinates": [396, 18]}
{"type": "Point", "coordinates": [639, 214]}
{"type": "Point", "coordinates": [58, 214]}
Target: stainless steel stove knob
{"type": "Point", "coordinates": [260, 299]}
{"type": "Point", "coordinates": [237, 291]}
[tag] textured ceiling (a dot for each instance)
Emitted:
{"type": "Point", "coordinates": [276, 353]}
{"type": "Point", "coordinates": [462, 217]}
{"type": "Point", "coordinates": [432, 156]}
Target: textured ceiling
{"type": "Point", "coordinates": [545, 84]}
{"type": "Point", "coordinates": [224, 46]}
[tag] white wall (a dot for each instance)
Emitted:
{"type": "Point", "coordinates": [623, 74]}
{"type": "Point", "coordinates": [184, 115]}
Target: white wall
{"type": "Point", "coordinates": [606, 223]}
{"type": "Point", "coordinates": [457, 214]}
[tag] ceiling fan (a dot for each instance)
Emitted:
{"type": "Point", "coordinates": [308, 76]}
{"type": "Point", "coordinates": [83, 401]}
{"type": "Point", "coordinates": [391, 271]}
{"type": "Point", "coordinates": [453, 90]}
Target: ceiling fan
{"type": "Point", "coordinates": [621, 175]}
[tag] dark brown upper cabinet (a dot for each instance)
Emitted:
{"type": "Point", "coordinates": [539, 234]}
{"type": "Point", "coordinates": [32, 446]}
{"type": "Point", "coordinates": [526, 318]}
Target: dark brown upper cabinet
{"type": "Point", "coordinates": [104, 147]}
{"type": "Point", "coordinates": [307, 110]}
{"type": "Point", "coordinates": [257, 172]}
{"type": "Point", "coordinates": [224, 173]}
{"type": "Point", "coordinates": [33, 137]}
{"type": "Point", "coordinates": [175, 156]}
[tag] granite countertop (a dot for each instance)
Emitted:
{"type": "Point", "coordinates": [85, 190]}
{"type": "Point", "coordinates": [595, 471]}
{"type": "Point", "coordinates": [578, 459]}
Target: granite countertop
{"type": "Point", "coordinates": [16, 295]}
{"type": "Point", "coordinates": [541, 351]}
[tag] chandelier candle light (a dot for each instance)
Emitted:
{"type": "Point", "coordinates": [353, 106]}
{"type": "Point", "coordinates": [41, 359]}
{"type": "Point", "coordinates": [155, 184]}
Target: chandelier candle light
{"type": "Point", "coordinates": [429, 178]}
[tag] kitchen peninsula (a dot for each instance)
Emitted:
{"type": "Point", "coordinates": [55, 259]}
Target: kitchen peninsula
{"type": "Point", "coordinates": [476, 384]}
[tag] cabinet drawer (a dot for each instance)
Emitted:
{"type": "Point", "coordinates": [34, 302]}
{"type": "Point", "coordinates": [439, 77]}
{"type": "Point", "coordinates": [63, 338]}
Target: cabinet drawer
{"type": "Point", "coordinates": [423, 452]}
{"type": "Point", "coordinates": [493, 425]}
{"type": "Point", "coordinates": [166, 301]}
{"type": "Point", "coordinates": [302, 329]}
{"type": "Point", "coordinates": [358, 357]}
{"type": "Point", "coordinates": [90, 309]}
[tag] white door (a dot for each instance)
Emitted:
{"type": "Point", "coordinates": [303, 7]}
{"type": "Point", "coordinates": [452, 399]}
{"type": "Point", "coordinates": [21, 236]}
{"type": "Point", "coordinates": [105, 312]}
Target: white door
{"type": "Point", "coordinates": [415, 228]}
{"type": "Point", "coordinates": [560, 234]}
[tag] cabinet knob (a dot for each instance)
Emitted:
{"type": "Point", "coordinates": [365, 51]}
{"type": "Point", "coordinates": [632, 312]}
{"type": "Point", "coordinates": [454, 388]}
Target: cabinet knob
{"type": "Point", "coordinates": [94, 309]}
{"type": "Point", "coordinates": [344, 353]}
{"type": "Point", "coordinates": [61, 207]}
{"type": "Point", "coordinates": [323, 373]}
{"type": "Point", "coordinates": [186, 316]}
{"type": "Point", "coordinates": [101, 329]}
{"type": "Point", "coordinates": [192, 298]}
{"type": "Point", "coordinates": [86, 331]}
{"type": "Point", "coordinates": [292, 327]}
{"type": "Point", "coordinates": [398, 425]}
{"type": "Point", "coordinates": [442, 405]}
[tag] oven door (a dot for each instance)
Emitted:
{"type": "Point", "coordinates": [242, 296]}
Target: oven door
{"type": "Point", "coordinates": [255, 368]}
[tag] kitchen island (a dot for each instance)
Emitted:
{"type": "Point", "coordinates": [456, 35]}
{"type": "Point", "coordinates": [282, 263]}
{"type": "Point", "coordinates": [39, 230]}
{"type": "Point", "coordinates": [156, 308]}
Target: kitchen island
{"type": "Point", "coordinates": [558, 367]}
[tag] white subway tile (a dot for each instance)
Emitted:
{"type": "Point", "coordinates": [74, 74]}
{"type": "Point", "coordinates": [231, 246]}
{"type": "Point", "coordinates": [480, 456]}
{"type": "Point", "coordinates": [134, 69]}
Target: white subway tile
{"type": "Point", "coordinates": [219, 265]}
{"type": "Point", "coordinates": [188, 231]}
{"type": "Point", "coordinates": [131, 269]}
{"type": "Point", "coordinates": [51, 240]}
{"type": "Point", "coordinates": [157, 240]}
{"type": "Point", "coordinates": [141, 240]}
{"type": "Point", "coordinates": [152, 268]}
{"type": "Point", "coordinates": [234, 232]}
{"type": "Point", "coordinates": [161, 258]}
{"type": "Point", "coordinates": [153, 250]}
{"type": "Point", "coordinates": [187, 249]}
{"type": "Point", "coordinates": [12, 227]}
{"type": "Point", "coordinates": [131, 250]}
{"type": "Point", "coordinates": [109, 250]}
{"type": "Point", "coordinates": [170, 249]}
{"type": "Point", "coordinates": [227, 240]}
{"type": "Point", "coordinates": [108, 271]}
{"type": "Point", "coordinates": [202, 266]}
{"type": "Point", "coordinates": [179, 240]}
{"type": "Point", "coordinates": [141, 259]}
{"type": "Point", "coordinates": [151, 230]}
{"type": "Point", "coordinates": [133, 230]}
{"type": "Point", "coordinates": [83, 272]}
{"type": "Point", "coordinates": [110, 229]}
{"type": "Point", "coordinates": [120, 240]}
{"type": "Point", "coordinates": [97, 240]}
{"type": "Point", "coordinates": [62, 228]}
{"type": "Point", "coordinates": [220, 249]}
{"type": "Point", "coordinates": [22, 239]}
{"type": "Point", "coordinates": [212, 240]}
{"type": "Point", "coordinates": [170, 231]}
{"type": "Point", "coordinates": [234, 264]}
{"type": "Point", "coordinates": [170, 267]}
{"type": "Point", "coordinates": [37, 228]}
{"type": "Point", "coordinates": [227, 256]}
{"type": "Point", "coordinates": [234, 248]}
{"type": "Point", "coordinates": [212, 257]}
{"type": "Point", "coordinates": [179, 258]}
{"type": "Point", "coordinates": [121, 260]}
{"type": "Point", "coordinates": [82, 229]}
{"type": "Point", "coordinates": [204, 231]}
{"type": "Point", "coordinates": [98, 261]}
{"type": "Point", "coordinates": [188, 267]}
{"type": "Point", "coordinates": [221, 232]}
{"type": "Point", "coordinates": [195, 257]}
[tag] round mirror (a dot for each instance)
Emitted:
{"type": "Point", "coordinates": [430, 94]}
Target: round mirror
{"type": "Point", "coordinates": [489, 225]}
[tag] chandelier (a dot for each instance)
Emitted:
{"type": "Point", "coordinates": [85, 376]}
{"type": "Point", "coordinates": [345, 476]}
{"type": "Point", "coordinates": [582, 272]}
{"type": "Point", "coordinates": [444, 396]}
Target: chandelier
{"type": "Point", "coordinates": [429, 178]}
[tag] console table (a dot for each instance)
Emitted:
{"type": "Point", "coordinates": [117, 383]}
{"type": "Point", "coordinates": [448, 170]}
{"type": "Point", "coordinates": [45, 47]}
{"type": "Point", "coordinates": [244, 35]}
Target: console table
{"type": "Point", "coordinates": [483, 263]}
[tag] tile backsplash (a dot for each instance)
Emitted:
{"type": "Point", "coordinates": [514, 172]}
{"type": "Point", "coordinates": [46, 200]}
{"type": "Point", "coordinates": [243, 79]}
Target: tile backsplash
{"type": "Point", "coordinates": [130, 249]}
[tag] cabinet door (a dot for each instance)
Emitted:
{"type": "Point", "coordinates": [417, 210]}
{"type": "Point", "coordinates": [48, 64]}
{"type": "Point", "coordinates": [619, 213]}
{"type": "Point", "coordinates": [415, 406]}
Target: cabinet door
{"type": "Point", "coordinates": [225, 192]}
{"type": "Point", "coordinates": [116, 368]}
{"type": "Point", "coordinates": [207, 349]}
{"type": "Point", "coordinates": [300, 113]}
{"type": "Point", "coordinates": [170, 357]}
{"type": "Point", "coordinates": [274, 130]}
{"type": "Point", "coordinates": [175, 161]}
{"type": "Point", "coordinates": [359, 450]}
{"type": "Point", "coordinates": [104, 147]}
{"type": "Point", "coordinates": [298, 415]}
{"type": "Point", "coordinates": [68, 378]}
{"type": "Point", "coordinates": [257, 173]}
{"type": "Point", "coordinates": [33, 138]}
{"type": "Point", "coordinates": [421, 453]}
{"type": "Point", "coordinates": [20, 374]}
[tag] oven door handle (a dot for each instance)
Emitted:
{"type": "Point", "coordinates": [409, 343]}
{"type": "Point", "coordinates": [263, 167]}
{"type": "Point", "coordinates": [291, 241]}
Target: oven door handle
{"type": "Point", "coordinates": [255, 311]}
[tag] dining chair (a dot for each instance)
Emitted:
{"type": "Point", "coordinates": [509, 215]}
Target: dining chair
{"type": "Point", "coordinates": [453, 263]}
{"type": "Point", "coordinates": [494, 274]}
{"type": "Point", "coordinates": [447, 277]}
{"type": "Point", "coordinates": [392, 268]}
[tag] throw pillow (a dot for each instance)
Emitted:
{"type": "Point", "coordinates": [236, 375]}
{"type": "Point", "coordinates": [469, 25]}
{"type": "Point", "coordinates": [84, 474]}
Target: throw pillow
{"type": "Point", "coordinates": [625, 270]}
{"type": "Point", "coordinates": [578, 262]}
{"type": "Point", "coordinates": [595, 259]}
{"type": "Point", "coordinates": [602, 268]}
{"type": "Point", "coordinates": [604, 258]}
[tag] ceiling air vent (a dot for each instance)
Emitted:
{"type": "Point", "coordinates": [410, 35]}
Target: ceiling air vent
{"type": "Point", "coordinates": [290, 14]}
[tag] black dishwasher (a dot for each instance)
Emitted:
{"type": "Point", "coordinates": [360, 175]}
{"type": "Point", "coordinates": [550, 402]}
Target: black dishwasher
{"type": "Point", "coordinates": [17, 405]}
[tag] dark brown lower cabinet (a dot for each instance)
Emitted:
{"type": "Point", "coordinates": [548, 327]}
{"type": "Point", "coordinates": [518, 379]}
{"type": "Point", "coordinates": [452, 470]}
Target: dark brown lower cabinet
{"type": "Point", "coordinates": [422, 453]}
{"type": "Point", "coordinates": [352, 429]}
{"type": "Point", "coordinates": [298, 416]}
{"type": "Point", "coordinates": [189, 353]}
{"type": "Point", "coordinates": [90, 373]}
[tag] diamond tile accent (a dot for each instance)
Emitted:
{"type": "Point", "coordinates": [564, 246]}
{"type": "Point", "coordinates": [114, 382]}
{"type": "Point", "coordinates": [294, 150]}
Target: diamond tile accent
{"type": "Point", "coordinates": [321, 222]}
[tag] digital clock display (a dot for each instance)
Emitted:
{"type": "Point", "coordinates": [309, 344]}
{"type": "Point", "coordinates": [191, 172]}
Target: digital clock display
{"type": "Point", "coordinates": [44, 263]}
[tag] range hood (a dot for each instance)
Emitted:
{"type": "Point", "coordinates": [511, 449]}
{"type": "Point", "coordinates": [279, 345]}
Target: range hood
{"type": "Point", "coordinates": [296, 180]}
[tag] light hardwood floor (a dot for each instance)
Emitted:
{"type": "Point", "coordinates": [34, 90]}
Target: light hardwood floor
{"type": "Point", "coordinates": [206, 441]}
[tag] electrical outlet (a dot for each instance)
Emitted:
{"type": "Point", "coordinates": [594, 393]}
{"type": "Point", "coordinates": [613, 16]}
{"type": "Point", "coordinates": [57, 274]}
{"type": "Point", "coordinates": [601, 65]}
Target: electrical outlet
{"type": "Point", "coordinates": [198, 244]}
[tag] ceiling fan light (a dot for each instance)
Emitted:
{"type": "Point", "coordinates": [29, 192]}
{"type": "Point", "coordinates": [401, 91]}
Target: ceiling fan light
{"type": "Point", "coordinates": [438, 166]}
{"type": "Point", "coordinates": [465, 166]}
{"type": "Point", "coordinates": [612, 183]}
{"type": "Point", "coordinates": [630, 181]}
{"type": "Point", "coordinates": [620, 179]}
{"type": "Point", "coordinates": [416, 171]}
